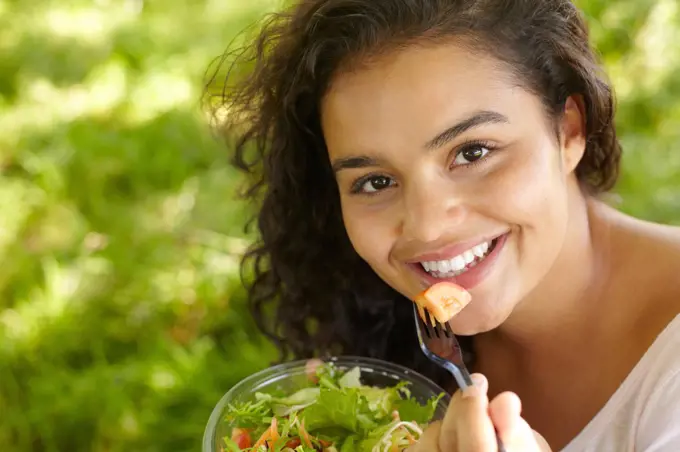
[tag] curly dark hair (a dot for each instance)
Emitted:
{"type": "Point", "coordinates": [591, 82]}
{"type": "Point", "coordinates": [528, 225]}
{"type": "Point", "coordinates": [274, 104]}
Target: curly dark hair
{"type": "Point", "coordinates": [308, 289]}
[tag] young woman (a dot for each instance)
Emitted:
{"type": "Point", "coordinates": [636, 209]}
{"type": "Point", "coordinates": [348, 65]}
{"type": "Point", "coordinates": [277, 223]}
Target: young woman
{"type": "Point", "coordinates": [396, 143]}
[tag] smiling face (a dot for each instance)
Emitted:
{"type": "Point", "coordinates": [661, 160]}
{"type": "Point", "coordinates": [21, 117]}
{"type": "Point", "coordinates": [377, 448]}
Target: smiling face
{"type": "Point", "coordinates": [447, 169]}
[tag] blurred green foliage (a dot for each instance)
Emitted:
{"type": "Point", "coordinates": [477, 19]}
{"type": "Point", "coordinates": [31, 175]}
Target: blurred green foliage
{"type": "Point", "coordinates": [121, 311]}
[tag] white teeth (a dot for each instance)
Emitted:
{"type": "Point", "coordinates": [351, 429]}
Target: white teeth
{"type": "Point", "coordinates": [458, 264]}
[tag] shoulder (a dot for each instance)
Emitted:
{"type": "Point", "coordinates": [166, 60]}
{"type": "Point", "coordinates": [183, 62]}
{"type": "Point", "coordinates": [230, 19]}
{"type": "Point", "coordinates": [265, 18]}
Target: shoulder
{"type": "Point", "coordinates": [661, 245]}
{"type": "Point", "coordinates": [661, 239]}
{"type": "Point", "coordinates": [652, 274]}
{"type": "Point", "coordinates": [647, 257]}
{"type": "Point", "coordinates": [664, 238]}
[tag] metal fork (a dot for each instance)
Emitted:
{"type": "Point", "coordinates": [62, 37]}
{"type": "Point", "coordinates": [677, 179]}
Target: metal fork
{"type": "Point", "coordinates": [440, 345]}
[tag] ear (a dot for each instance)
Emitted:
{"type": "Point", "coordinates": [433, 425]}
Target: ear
{"type": "Point", "coordinates": [573, 133]}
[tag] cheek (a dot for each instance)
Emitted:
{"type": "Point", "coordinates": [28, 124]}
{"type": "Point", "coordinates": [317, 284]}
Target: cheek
{"type": "Point", "coordinates": [368, 232]}
{"type": "Point", "coordinates": [531, 190]}
{"type": "Point", "coordinates": [536, 206]}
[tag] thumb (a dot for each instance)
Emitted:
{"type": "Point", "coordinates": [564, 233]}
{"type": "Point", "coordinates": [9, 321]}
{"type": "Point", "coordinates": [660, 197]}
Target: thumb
{"type": "Point", "coordinates": [467, 425]}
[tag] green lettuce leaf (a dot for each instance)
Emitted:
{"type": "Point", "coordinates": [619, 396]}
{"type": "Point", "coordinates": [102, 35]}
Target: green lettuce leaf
{"type": "Point", "coordinates": [345, 408]}
{"type": "Point", "coordinates": [412, 411]}
{"type": "Point", "coordinates": [351, 379]}
{"type": "Point", "coordinates": [283, 406]}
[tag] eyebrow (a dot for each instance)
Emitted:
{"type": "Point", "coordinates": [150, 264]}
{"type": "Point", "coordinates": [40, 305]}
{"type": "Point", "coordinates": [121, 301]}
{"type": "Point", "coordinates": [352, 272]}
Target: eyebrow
{"type": "Point", "coordinates": [354, 162]}
{"type": "Point", "coordinates": [476, 120]}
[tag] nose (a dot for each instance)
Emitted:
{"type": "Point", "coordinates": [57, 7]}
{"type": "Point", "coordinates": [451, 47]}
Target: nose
{"type": "Point", "coordinates": [431, 210]}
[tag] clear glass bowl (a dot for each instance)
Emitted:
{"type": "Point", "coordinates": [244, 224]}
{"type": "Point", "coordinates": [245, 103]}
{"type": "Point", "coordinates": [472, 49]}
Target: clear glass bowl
{"type": "Point", "coordinates": [291, 376]}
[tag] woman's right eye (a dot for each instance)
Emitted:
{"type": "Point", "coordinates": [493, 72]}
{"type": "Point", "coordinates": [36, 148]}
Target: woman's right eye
{"type": "Point", "coordinates": [372, 185]}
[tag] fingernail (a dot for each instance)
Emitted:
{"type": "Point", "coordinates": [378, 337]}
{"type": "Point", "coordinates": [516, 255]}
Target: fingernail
{"type": "Point", "coordinates": [479, 386]}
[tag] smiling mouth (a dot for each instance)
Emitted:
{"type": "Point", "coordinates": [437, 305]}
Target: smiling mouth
{"type": "Point", "coordinates": [450, 268]}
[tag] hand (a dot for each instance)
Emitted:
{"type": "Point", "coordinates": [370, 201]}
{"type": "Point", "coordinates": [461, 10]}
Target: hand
{"type": "Point", "coordinates": [468, 425]}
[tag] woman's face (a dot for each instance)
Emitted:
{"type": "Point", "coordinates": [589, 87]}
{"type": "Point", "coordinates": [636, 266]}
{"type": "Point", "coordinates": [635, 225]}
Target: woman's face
{"type": "Point", "coordinates": [448, 170]}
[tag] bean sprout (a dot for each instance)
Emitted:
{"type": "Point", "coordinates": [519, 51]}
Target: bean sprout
{"type": "Point", "coordinates": [385, 441]}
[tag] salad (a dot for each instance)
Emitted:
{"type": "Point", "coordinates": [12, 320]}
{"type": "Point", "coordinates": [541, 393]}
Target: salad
{"type": "Point", "coordinates": [336, 413]}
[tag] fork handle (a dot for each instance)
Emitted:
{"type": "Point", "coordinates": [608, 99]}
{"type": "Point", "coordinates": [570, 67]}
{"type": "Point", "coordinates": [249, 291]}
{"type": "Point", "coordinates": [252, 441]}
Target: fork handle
{"type": "Point", "coordinates": [499, 444]}
{"type": "Point", "coordinates": [461, 375]}
{"type": "Point", "coordinates": [464, 380]}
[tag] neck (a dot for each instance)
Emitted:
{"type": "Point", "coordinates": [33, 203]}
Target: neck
{"type": "Point", "coordinates": [555, 312]}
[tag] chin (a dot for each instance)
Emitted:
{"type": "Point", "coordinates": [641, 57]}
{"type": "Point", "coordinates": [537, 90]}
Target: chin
{"type": "Point", "coordinates": [469, 323]}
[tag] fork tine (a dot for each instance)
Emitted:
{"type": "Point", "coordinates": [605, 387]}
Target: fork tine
{"type": "Point", "coordinates": [419, 310]}
{"type": "Point", "coordinates": [427, 321]}
{"type": "Point", "coordinates": [432, 327]}
{"type": "Point", "coordinates": [421, 322]}
{"type": "Point", "coordinates": [436, 327]}
{"type": "Point", "coordinates": [429, 325]}
{"type": "Point", "coordinates": [433, 321]}
{"type": "Point", "coordinates": [447, 329]}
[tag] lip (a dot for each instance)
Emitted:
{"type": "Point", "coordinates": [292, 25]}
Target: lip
{"type": "Point", "coordinates": [470, 278]}
{"type": "Point", "coordinates": [452, 251]}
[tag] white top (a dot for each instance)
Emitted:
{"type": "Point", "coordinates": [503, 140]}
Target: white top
{"type": "Point", "coordinates": [643, 415]}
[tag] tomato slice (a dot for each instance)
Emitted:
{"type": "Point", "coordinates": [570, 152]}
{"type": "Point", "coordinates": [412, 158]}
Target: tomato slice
{"type": "Point", "coordinates": [241, 437]}
{"type": "Point", "coordinates": [293, 443]}
{"type": "Point", "coordinates": [443, 300]}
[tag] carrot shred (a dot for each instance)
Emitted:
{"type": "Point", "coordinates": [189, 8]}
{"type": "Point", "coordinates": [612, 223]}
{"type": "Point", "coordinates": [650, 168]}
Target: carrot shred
{"type": "Point", "coordinates": [262, 441]}
{"type": "Point", "coordinates": [274, 430]}
{"type": "Point", "coordinates": [410, 438]}
{"type": "Point", "coordinates": [304, 435]}
{"type": "Point", "coordinates": [269, 437]}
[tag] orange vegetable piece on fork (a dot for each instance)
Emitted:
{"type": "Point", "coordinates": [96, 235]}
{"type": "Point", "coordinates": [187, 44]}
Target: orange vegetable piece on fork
{"type": "Point", "coordinates": [443, 301]}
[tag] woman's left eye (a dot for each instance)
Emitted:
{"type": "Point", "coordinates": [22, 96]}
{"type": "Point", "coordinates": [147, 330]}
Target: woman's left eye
{"type": "Point", "coordinates": [471, 154]}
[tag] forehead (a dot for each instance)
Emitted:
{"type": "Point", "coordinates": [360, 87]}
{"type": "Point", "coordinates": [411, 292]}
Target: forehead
{"type": "Point", "coordinates": [415, 92]}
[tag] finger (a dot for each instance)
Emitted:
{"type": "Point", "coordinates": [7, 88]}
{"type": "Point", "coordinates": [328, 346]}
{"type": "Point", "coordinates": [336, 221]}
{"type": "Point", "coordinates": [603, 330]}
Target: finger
{"type": "Point", "coordinates": [505, 411]}
{"type": "Point", "coordinates": [515, 433]}
{"type": "Point", "coordinates": [467, 425]}
{"type": "Point", "coordinates": [310, 369]}
{"type": "Point", "coordinates": [428, 440]}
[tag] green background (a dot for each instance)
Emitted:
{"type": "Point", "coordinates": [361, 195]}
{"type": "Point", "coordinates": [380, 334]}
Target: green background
{"type": "Point", "coordinates": [121, 312]}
